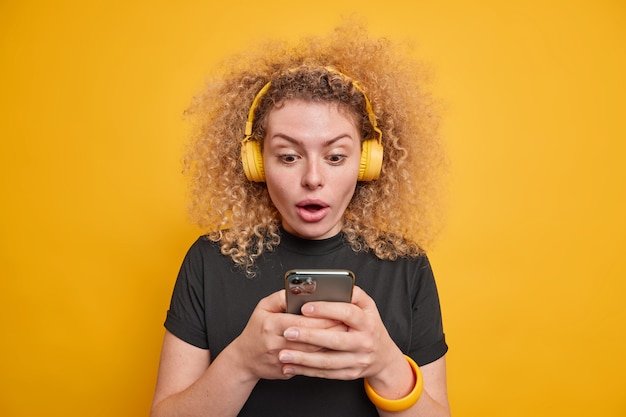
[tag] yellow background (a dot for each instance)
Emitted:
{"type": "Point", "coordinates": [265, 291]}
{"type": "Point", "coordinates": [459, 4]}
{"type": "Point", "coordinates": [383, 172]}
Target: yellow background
{"type": "Point", "coordinates": [92, 216]}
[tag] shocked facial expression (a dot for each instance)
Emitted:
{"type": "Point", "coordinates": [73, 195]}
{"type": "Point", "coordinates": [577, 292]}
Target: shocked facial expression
{"type": "Point", "coordinates": [311, 156]}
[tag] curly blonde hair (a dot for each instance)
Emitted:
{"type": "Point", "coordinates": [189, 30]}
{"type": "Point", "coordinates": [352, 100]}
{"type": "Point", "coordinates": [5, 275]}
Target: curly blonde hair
{"type": "Point", "coordinates": [394, 216]}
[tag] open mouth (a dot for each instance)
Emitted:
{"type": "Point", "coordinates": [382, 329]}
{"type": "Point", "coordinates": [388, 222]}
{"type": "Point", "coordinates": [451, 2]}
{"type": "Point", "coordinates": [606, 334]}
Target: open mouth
{"type": "Point", "coordinates": [312, 207]}
{"type": "Point", "coordinates": [312, 211]}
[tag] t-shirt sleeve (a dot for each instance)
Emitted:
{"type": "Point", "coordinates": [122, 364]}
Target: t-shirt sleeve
{"type": "Point", "coordinates": [428, 340]}
{"type": "Point", "coordinates": [185, 317]}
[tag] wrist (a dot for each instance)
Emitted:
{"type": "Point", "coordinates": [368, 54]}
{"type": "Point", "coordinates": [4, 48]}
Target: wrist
{"type": "Point", "coordinates": [395, 378]}
{"type": "Point", "coordinates": [233, 356]}
{"type": "Point", "coordinates": [404, 402]}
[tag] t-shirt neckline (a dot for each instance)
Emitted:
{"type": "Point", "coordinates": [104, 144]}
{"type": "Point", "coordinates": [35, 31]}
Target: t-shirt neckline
{"type": "Point", "coordinates": [310, 247]}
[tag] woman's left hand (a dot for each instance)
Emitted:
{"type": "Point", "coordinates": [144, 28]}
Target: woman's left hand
{"type": "Point", "coordinates": [364, 349]}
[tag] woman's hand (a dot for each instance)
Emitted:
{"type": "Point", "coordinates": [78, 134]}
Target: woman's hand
{"type": "Point", "coordinates": [256, 350]}
{"type": "Point", "coordinates": [190, 383]}
{"type": "Point", "coordinates": [364, 349]}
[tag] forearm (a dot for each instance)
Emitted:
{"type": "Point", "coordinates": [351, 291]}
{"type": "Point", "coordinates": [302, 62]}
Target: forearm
{"type": "Point", "coordinates": [426, 406]}
{"type": "Point", "coordinates": [220, 391]}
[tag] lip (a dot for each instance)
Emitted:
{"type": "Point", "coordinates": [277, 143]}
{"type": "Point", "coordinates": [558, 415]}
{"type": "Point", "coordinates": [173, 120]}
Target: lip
{"type": "Point", "coordinates": [312, 210]}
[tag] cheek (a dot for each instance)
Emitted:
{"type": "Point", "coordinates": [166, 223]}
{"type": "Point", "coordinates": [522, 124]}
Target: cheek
{"type": "Point", "coordinates": [273, 181]}
{"type": "Point", "coordinates": [346, 180]}
{"type": "Point", "coordinates": [350, 193]}
{"type": "Point", "coordinates": [276, 188]}
{"type": "Point", "coordinates": [345, 186]}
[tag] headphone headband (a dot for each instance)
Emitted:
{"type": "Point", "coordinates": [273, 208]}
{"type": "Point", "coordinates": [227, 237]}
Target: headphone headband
{"type": "Point", "coordinates": [253, 107]}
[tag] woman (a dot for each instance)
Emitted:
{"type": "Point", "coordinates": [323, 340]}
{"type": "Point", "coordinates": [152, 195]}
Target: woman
{"type": "Point", "coordinates": [336, 169]}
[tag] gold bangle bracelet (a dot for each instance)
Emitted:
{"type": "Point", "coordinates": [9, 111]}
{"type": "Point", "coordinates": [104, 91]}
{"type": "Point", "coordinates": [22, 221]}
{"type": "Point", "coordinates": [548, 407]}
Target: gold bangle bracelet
{"type": "Point", "coordinates": [400, 404]}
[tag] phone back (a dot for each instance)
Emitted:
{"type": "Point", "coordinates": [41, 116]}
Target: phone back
{"type": "Point", "coordinates": [305, 285]}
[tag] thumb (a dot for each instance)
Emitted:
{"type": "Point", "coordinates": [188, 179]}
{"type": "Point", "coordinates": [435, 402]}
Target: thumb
{"type": "Point", "coordinates": [274, 303]}
{"type": "Point", "coordinates": [361, 299]}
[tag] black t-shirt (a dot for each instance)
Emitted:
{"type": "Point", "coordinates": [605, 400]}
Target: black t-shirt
{"type": "Point", "coordinates": [213, 300]}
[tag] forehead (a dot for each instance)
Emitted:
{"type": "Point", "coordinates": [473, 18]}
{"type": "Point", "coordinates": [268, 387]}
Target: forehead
{"type": "Point", "coordinates": [298, 113]}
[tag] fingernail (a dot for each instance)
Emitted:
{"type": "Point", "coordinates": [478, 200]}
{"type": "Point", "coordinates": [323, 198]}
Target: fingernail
{"type": "Point", "coordinates": [307, 309]}
{"type": "Point", "coordinates": [291, 334]}
{"type": "Point", "coordinates": [285, 357]}
{"type": "Point", "coordinates": [289, 371]}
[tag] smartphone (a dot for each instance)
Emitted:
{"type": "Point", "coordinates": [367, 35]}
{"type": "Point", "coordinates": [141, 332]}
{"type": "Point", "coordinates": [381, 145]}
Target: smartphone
{"type": "Point", "coordinates": [304, 285]}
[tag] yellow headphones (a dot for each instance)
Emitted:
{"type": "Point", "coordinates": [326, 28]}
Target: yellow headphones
{"type": "Point", "coordinates": [371, 149]}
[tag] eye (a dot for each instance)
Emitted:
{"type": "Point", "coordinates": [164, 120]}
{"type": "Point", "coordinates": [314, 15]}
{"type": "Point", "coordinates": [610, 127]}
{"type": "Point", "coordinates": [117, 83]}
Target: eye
{"type": "Point", "coordinates": [288, 158]}
{"type": "Point", "coordinates": [336, 159]}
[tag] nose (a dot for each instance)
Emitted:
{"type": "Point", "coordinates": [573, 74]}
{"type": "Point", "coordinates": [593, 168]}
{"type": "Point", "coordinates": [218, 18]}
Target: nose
{"type": "Point", "coordinates": [312, 176]}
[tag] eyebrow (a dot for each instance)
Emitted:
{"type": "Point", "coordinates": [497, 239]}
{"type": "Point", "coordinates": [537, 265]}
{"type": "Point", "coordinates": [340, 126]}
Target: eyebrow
{"type": "Point", "coordinates": [300, 143]}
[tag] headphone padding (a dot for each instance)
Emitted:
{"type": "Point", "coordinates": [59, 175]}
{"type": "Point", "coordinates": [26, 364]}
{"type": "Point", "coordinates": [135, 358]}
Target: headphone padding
{"type": "Point", "coordinates": [371, 160]}
{"type": "Point", "coordinates": [252, 159]}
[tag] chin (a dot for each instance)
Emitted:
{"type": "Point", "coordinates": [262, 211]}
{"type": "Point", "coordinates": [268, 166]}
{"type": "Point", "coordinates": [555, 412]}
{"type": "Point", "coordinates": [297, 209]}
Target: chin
{"type": "Point", "coordinates": [315, 232]}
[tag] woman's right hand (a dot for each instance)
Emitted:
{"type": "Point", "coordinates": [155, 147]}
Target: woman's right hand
{"type": "Point", "coordinates": [256, 349]}
{"type": "Point", "coordinates": [189, 382]}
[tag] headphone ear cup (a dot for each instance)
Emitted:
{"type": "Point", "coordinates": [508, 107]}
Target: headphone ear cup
{"type": "Point", "coordinates": [371, 160]}
{"type": "Point", "coordinates": [252, 159]}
